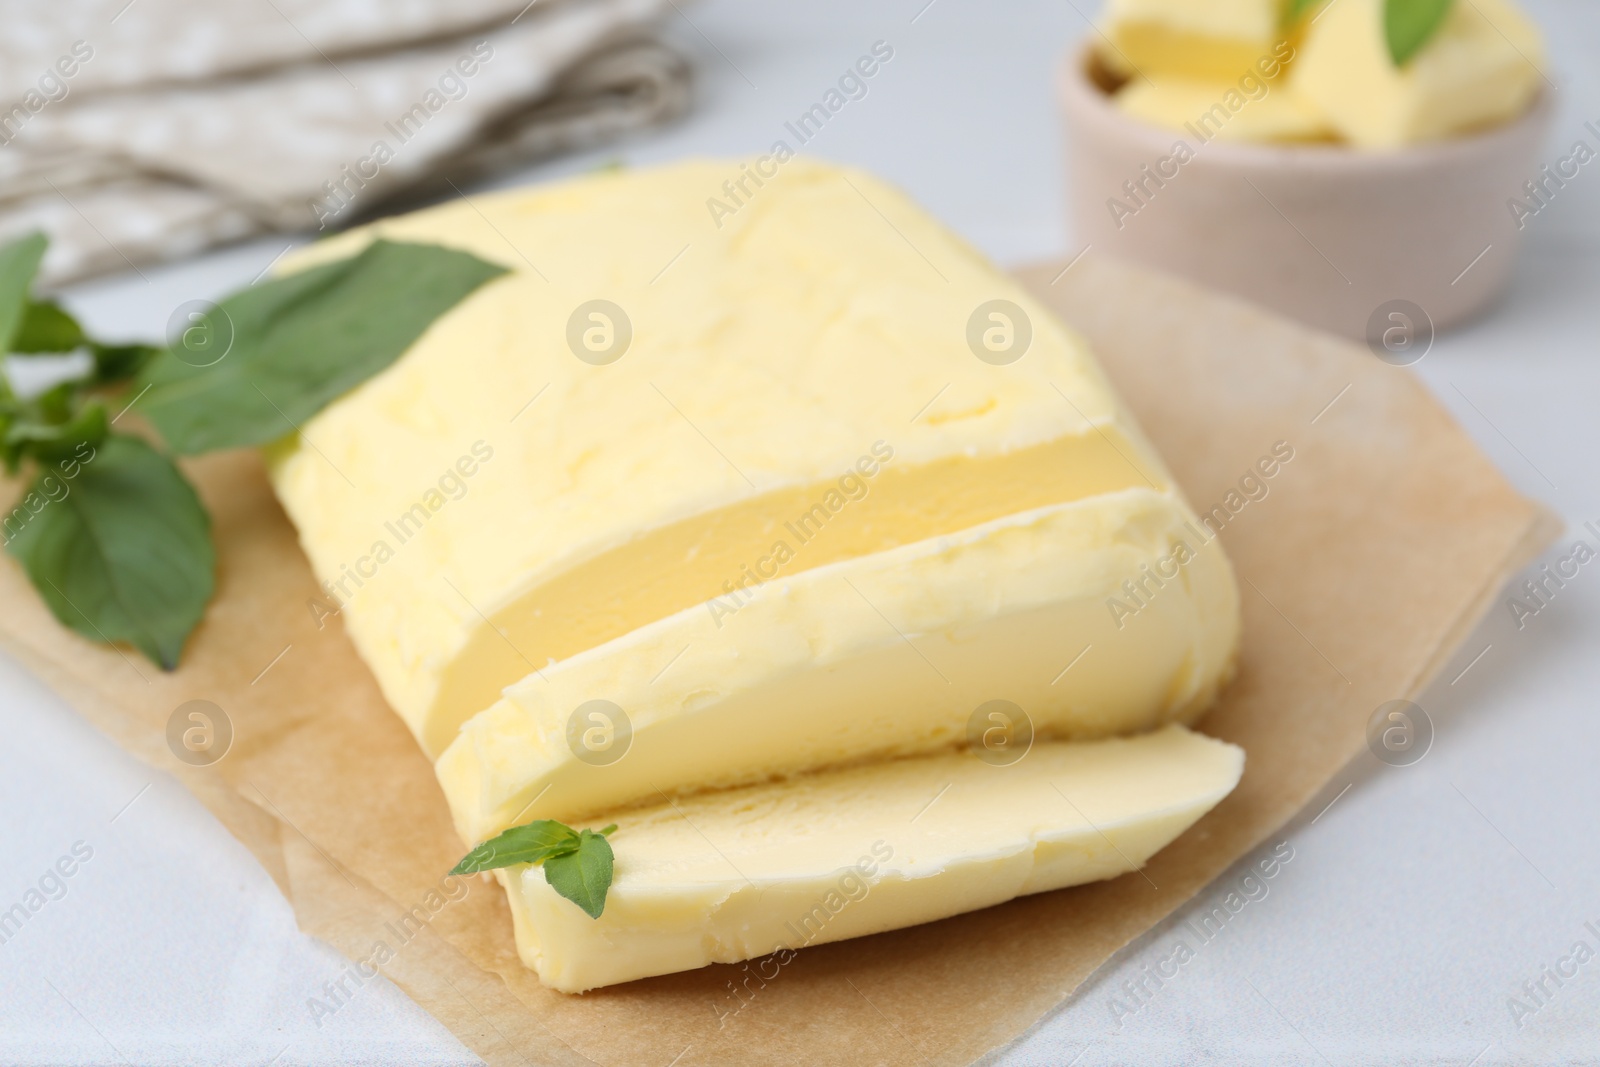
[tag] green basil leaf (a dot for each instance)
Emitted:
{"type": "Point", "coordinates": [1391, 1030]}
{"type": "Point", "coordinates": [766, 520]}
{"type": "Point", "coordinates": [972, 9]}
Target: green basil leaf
{"type": "Point", "coordinates": [115, 363]}
{"type": "Point", "coordinates": [1407, 25]}
{"type": "Point", "coordinates": [19, 262]}
{"type": "Point", "coordinates": [55, 403]}
{"type": "Point", "coordinates": [583, 876]}
{"type": "Point", "coordinates": [119, 548]}
{"type": "Point", "coordinates": [532, 842]}
{"type": "Point", "coordinates": [46, 327]}
{"type": "Point", "coordinates": [276, 353]}
{"type": "Point", "coordinates": [10, 453]}
{"type": "Point", "coordinates": [50, 442]}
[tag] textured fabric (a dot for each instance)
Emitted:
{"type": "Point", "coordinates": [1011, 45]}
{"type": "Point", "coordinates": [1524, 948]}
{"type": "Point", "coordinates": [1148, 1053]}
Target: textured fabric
{"type": "Point", "coordinates": [143, 131]}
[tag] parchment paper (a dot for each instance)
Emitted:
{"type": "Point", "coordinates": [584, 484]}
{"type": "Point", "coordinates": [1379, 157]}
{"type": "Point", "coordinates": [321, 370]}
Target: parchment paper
{"type": "Point", "coordinates": [1376, 548]}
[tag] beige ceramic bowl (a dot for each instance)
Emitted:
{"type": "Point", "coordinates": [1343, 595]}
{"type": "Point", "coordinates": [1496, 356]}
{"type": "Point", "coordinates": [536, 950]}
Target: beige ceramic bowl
{"type": "Point", "coordinates": [1331, 236]}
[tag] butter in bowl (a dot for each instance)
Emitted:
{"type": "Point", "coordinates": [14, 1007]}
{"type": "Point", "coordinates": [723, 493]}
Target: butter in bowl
{"type": "Point", "coordinates": [1332, 161]}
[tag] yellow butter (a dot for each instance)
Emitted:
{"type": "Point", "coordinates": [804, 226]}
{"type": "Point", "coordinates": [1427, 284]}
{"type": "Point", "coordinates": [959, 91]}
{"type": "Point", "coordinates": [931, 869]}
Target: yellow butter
{"type": "Point", "coordinates": [1103, 616]}
{"type": "Point", "coordinates": [801, 370]}
{"type": "Point", "coordinates": [1201, 40]}
{"type": "Point", "coordinates": [1482, 66]}
{"type": "Point", "coordinates": [730, 876]}
{"type": "Point", "coordinates": [1220, 111]}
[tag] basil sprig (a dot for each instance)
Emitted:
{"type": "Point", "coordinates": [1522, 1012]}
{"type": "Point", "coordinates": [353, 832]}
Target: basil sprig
{"type": "Point", "coordinates": [1407, 24]}
{"type": "Point", "coordinates": [109, 531]}
{"type": "Point", "coordinates": [577, 863]}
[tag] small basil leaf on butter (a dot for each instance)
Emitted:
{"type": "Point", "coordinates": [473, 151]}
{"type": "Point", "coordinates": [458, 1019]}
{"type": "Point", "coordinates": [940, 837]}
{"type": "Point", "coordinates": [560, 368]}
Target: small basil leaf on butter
{"type": "Point", "coordinates": [19, 262]}
{"type": "Point", "coordinates": [1408, 24]}
{"type": "Point", "coordinates": [122, 551]}
{"type": "Point", "coordinates": [583, 876]}
{"type": "Point", "coordinates": [281, 350]}
{"type": "Point", "coordinates": [46, 327]}
{"type": "Point", "coordinates": [577, 863]}
{"type": "Point", "coordinates": [532, 842]}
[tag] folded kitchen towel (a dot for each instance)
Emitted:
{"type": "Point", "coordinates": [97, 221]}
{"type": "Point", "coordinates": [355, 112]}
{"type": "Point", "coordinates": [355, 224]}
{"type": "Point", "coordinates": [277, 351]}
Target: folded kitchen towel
{"type": "Point", "coordinates": [134, 131]}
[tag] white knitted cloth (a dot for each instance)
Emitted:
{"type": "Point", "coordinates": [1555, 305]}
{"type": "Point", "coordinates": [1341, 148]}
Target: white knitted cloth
{"type": "Point", "coordinates": [143, 131]}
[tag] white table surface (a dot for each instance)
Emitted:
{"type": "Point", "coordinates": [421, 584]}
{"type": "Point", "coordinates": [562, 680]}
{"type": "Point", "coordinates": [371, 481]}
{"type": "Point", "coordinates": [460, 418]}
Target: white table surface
{"type": "Point", "coordinates": [1413, 908]}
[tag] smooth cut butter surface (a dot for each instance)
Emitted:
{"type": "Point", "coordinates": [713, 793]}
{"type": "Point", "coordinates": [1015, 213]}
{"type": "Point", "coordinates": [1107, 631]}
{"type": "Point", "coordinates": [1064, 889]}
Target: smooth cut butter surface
{"type": "Point", "coordinates": [1482, 66]}
{"type": "Point", "coordinates": [729, 876]}
{"type": "Point", "coordinates": [1204, 40]}
{"type": "Point", "coordinates": [1186, 106]}
{"type": "Point", "coordinates": [818, 333]}
{"type": "Point", "coordinates": [886, 655]}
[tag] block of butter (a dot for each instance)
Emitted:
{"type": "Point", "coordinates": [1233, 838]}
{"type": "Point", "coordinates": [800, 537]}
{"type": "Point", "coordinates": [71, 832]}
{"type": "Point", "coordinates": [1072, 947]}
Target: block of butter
{"type": "Point", "coordinates": [734, 875]}
{"type": "Point", "coordinates": [893, 653]}
{"type": "Point", "coordinates": [1482, 66]}
{"type": "Point", "coordinates": [1198, 40]}
{"type": "Point", "coordinates": [1223, 111]}
{"type": "Point", "coordinates": [695, 379]}
{"type": "Point", "coordinates": [760, 497]}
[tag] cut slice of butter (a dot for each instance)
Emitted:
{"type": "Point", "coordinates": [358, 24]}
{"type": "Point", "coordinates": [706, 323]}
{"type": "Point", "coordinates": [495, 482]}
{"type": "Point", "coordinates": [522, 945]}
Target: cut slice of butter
{"type": "Point", "coordinates": [1215, 40]}
{"type": "Point", "coordinates": [1220, 111]}
{"type": "Point", "coordinates": [1109, 615]}
{"type": "Point", "coordinates": [797, 355]}
{"type": "Point", "coordinates": [729, 876]}
{"type": "Point", "coordinates": [1482, 66]}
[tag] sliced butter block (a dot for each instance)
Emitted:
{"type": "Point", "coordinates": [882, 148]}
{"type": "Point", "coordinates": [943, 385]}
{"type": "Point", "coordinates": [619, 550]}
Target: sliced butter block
{"type": "Point", "coordinates": [1482, 66]}
{"type": "Point", "coordinates": [723, 877]}
{"type": "Point", "coordinates": [801, 354]}
{"type": "Point", "coordinates": [889, 654]}
{"type": "Point", "coordinates": [1220, 111]}
{"type": "Point", "coordinates": [1203, 40]}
